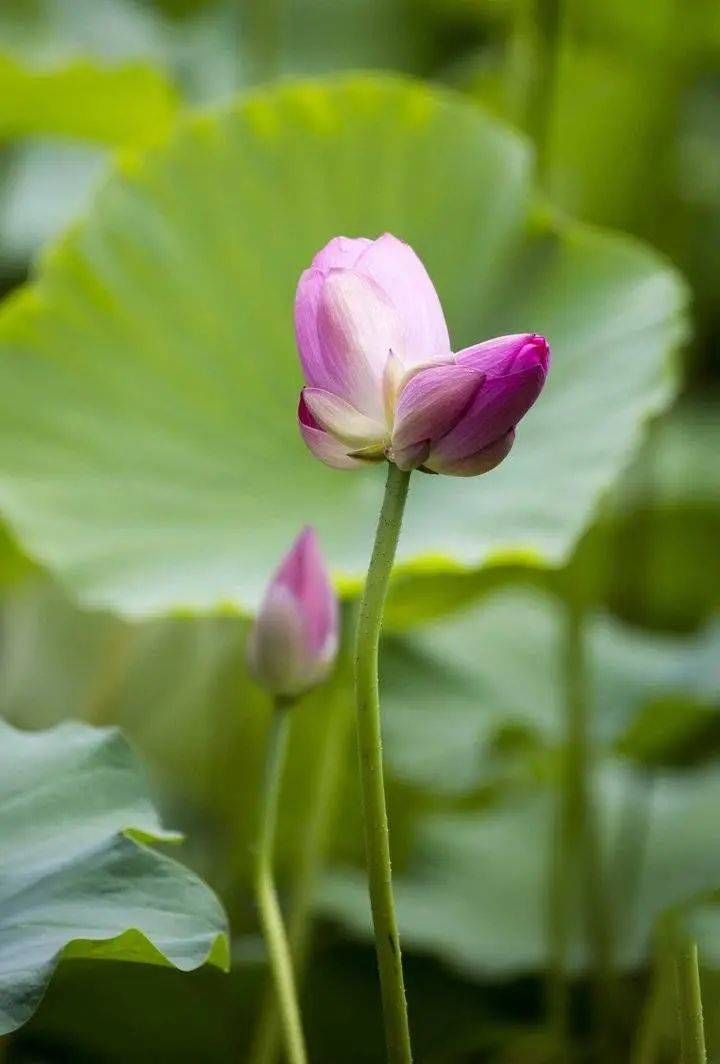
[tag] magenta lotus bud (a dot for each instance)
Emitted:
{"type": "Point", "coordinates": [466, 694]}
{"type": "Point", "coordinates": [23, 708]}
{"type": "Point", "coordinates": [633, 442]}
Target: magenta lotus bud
{"type": "Point", "coordinates": [382, 381]}
{"type": "Point", "coordinates": [294, 641]}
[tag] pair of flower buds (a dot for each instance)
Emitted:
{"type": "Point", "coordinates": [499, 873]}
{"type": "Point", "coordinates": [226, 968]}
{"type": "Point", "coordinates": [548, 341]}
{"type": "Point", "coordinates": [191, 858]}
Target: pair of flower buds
{"type": "Point", "coordinates": [382, 384]}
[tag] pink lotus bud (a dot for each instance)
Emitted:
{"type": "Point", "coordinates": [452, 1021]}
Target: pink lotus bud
{"type": "Point", "coordinates": [382, 381]}
{"type": "Point", "coordinates": [294, 641]}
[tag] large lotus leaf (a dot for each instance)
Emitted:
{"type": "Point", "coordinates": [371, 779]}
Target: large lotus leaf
{"type": "Point", "coordinates": [476, 893]}
{"type": "Point", "coordinates": [159, 336]}
{"type": "Point", "coordinates": [131, 104]}
{"type": "Point", "coordinates": [77, 876]}
{"type": "Point", "coordinates": [454, 687]}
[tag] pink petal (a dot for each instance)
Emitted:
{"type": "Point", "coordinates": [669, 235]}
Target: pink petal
{"type": "Point", "coordinates": [276, 644]}
{"type": "Point", "coordinates": [341, 253]}
{"type": "Point", "coordinates": [430, 404]}
{"type": "Point", "coordinates": [480, 462]}
{"type": "Point", "coordinates": [507, 354]}
{"type": "Point", "coordinates": [357, 329]}
{"type": "Point", "coordinates": [304, 573]}
{"type": "Point", "coordinates": [307, 298]}
{"type": "Point", "coordinates": [322, 444]}
{"type": "Point", "coordinates": [395, 267]}
{"type": "Point", "coordinates": [342, 420]}
{"type": "Point", "coordinates": [496, 409]}
{"type": "Point", "coordinates": [294, 639]}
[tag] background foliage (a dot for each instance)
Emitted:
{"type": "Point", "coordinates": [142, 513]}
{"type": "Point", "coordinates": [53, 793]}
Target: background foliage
{"type": "Point", "coordinates": [152, 226]}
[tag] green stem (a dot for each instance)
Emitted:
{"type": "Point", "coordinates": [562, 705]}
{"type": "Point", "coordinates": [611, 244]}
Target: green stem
{"type": "Point", "coordinates": [578, 847]}
{"type": "Point", "coordinates": [326, 777]}
{"type": "Point", "coordinates": [270, 915]}
{"type": "Point", "coordinates": [534, 57]}
{"type": "Point", "coordinates": [692, 1031]}
{"type": "Point", "coordinates": [595, 902]}
{"type": "Point", "coordinates": [560, 893]}
{"type": "Point", "coordinates": [647, 1046]}
{"type": "Point", "coordinates": [377, 843]}
{"type": "Point", "coordinates": [262, 25]}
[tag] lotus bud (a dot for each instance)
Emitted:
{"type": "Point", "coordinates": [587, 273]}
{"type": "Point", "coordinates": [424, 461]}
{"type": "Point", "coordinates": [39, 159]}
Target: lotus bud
{"type": "Point", "coordinates": [294, 640]}
{"type": "Point", "coordinates": [381, 379]}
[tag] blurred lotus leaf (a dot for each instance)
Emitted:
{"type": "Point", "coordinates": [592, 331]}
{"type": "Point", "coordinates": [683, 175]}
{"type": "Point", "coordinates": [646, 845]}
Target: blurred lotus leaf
{"type": "Point", "coordinates": [476, 889]}
{"type": "Point", "coordinates": [452, 687]}
{"type": "Point", "coordinates": [130, 104]}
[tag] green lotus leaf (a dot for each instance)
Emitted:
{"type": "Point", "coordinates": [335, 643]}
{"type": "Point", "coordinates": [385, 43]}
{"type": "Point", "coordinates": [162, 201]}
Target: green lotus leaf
{"type": "Point", "coordinates": [148, 378]}
{"type": "Point", "coordinates": [131, 104]}
{"type": "Point", "coordinates": [77, 878]}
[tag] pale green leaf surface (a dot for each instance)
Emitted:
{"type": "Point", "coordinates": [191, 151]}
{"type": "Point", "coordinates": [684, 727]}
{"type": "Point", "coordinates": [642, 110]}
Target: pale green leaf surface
{"type": "Point", "coordinates": [132, 104]}
{"type": "Point", "coordinates": [159, 337]}
{"type": "Point", "coordinates": [74, 877]}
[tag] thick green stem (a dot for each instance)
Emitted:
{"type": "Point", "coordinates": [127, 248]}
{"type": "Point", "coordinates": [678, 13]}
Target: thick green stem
{"type": "Point", "coordinates": [269, 908]}
{"type": "Point", "coordinates": [326, 776]}
{"type": "Point", "coordinates": [377, 843]}
{"type": "Point", "coordinates": [692, 1031]}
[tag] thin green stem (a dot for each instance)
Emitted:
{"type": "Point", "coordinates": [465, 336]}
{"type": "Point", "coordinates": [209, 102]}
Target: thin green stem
{"type": "Point", "coordinates": [269, 908]}
{"type": "Point", "coordinates": [578, 848]}
{"type": "Point", "coordinates": [377, 842]}
{"type": "Point", "coordinates": [263, 32]}
{"type": "Point", "coordinates": [560, 894]}
{"type": "Point", "coordinates": [326, 776]}
{"type": "Point", "coordinates": [692, 1030]}
{"type": "Point", "coordinates": [532, 71]}
{"type": "Point", "coordinates": [647, 1046]}
{"type": "Point", "coordinates": [593, 874]}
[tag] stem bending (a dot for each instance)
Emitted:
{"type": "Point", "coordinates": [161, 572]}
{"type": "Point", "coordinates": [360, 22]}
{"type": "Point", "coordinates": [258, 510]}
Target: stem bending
{"type": "Point", "coordinates": [270, 915]}
{"type": "Point", "coordinates": [377, 843]}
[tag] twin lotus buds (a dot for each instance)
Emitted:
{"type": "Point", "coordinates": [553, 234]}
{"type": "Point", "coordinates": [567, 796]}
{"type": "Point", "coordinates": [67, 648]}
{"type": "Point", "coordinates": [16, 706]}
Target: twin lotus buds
{"type": "Point", "coordinates": [294, 641]}
{"type": "Point", "coordinates": [382, 381]}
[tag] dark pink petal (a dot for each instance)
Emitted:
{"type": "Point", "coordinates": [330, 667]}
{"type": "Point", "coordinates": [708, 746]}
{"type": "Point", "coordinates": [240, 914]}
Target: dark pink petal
{"type": "Point", "coordinates": [507, 354]}
{"type": "Point", "coordinates": [480, 462]}
{"type": "Point", "coordinates": [394, 266]}
{"type": "Point", "coordinates": [496, 409]}
{"type": "Point", "coordinates": [321, 443]}
{"type": "Point", "coordinates": [429, 405]}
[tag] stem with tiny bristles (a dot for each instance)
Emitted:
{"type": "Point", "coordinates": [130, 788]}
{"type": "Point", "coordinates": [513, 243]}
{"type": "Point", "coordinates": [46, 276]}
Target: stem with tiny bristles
{"type": "Point", "coordinates": [377, 842]}
{"type": "Point", "coordinates": [690, 1011]}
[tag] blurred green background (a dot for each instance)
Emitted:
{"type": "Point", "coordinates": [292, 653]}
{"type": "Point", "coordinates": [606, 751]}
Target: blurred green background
{"type": "Point", "coordinates": [151, 231]}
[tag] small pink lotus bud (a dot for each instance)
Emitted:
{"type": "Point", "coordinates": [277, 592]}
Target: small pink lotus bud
{"type": "Point", "coordinates": [293, 643]}
{"type": "Point", "coordinates": [382, 381]}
